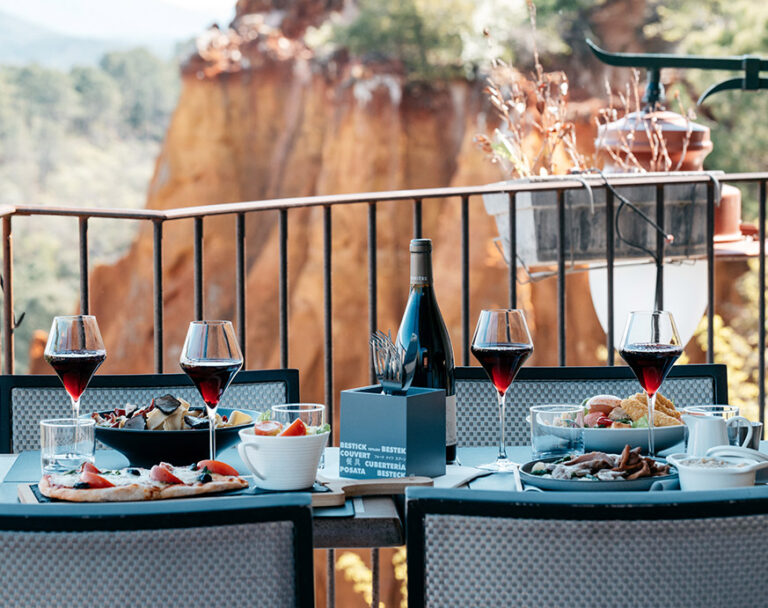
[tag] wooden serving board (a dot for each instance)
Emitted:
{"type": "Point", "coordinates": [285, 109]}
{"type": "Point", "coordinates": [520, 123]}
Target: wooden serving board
{"type": "Point", "coordinates": [341, 489]}
{"type": "Point", "coordinates": [338, 490]}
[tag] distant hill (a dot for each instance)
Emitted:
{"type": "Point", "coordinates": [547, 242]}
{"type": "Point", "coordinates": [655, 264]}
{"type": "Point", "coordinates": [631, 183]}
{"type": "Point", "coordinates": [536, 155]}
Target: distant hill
{"type": "Point", "coordinates": [23, 42]}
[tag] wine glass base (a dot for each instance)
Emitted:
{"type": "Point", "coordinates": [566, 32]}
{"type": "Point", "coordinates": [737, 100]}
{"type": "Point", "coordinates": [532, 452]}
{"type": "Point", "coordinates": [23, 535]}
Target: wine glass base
{"type": "Point", "coordinates": [502, 465]}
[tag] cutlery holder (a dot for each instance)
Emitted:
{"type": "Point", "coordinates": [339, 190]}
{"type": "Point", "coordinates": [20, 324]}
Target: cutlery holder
{"type": "Point", "coordinates": [392, 435]}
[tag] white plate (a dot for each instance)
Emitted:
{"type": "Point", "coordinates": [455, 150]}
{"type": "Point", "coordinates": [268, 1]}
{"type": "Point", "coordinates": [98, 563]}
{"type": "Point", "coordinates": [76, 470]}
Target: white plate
{"type": "Point", "coordinates": [614, 440]}
{"type": "Point", "coordinates": [588, 485]}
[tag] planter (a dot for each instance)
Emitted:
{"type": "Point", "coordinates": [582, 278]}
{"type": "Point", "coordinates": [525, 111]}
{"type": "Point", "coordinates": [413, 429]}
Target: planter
{"type": "Point", "coordinates": [685, 217]}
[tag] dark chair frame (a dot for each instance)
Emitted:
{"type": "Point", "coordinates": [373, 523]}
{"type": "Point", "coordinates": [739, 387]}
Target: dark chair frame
{"type": "Point", "coordinates": [9, 382]}
{"type": "Point", "coordinates": [717, 371]}
{"type": "Point", "coordinates": [295, 507]}
{"type": "Point", "coordinates": [421, 502]}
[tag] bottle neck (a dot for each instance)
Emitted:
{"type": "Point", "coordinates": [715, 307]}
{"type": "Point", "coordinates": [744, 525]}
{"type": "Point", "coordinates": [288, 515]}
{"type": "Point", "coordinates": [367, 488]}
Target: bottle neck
{"type": "Point", "coordinates": [421, 269]}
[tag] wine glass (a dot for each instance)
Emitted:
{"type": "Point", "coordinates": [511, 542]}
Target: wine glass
{"type": "Point", "coordinates": [211, 357]}
{"type": "Point", "coordinates": [501, 344]}
{"type": "Point", "coordinates": [75, 351]}
{"type": "Point", "coordinates": [650, 346]}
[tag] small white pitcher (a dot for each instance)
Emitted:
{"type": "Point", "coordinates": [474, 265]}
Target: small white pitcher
{"type": "Point", "coordinates": [706, 432]}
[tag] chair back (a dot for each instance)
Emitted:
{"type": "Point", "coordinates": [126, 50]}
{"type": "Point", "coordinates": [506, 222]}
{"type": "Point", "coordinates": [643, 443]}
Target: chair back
{"type": "Point", "coordinates": [25, 400]}
{"type": "Point", "coordinates": [586, 550]}
{"type": "Point", "coordinates": [238, 551]}
{"type": "Point", "coordinates": [477, 410]}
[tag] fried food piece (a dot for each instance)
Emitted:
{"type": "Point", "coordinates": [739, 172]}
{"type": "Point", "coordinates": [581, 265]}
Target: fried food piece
{"type": "Point", "coordinates": [662, 404]}
{"type": "Point", "coordinates": [637, 409]}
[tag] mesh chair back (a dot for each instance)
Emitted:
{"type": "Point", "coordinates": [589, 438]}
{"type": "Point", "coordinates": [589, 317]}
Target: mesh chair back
{"type": "Point", "coordinates": [254, 562]}
{"type": "Point", "coordinates": [30, 399]}
{"type": "Point", "coordinates": [477, 410]}
{"type": "Point", "coordinates": [523, 557]}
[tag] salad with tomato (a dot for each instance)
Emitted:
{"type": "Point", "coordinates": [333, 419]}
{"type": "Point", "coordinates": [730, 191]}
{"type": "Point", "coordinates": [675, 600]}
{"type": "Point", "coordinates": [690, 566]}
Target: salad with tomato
{"type": "Point", "coordinates": [265, 426]}
{"type": "Point", "coordinates": [605, 412]}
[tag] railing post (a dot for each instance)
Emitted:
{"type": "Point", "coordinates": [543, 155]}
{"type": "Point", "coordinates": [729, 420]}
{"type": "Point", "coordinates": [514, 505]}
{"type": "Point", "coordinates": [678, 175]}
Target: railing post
{"type": "Point", "coordinates": [710, 272]}
{"type": "Point", "coordinates": [465, 280]}
{"type": "Point", "coordinates": [561, 277]}
{"type": "Point", "coordinates": [283, 287]}
{"type": "Point", "coordinates": [327, 321]}
{"type": "Point", "coordinates": [609, 257]}
{"type": "Point", "coordinates": [198, 257]}
{"type": "Point", "coordinates": [512, 250]}
{"type": "Point", "coordinates": [83, 242]}
{"type": "Point", "coordinates": [8, 320]}
{"type": "Point", "coordinates": [761, 307]}
{"type": "Point", "coordinates": [659, 299]}
{"type": "Point", "coordinates": [372, 278]}
{"type": "Point", "coordinates": [240, 284]}
{"type": "Point", "coordinates": [417, 218]}
{"type": "Point", "coordinates": [157, 265]}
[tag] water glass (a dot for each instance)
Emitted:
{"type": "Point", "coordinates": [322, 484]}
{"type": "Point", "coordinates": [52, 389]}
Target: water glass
{"type": "Point", "coordinates": [723, 411]}
{"type": "Point", "coordinates": [65, 444]}
{"type": "Point", "coordinates": [726, 412]}
{"type": "Point", "coordinates": [557, 430]}
{"type": "Point", "coordinates": [311, 414]}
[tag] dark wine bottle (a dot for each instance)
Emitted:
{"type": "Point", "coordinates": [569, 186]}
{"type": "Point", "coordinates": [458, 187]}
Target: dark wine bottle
{"type": "Point", "coordinates": [434, 367]}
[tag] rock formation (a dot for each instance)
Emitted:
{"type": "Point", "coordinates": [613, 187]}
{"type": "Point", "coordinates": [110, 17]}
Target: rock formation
{"type": "Point", "coordinates": [258, 118]}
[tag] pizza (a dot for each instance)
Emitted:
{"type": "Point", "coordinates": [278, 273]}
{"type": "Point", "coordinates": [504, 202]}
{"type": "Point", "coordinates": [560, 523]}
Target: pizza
{"type": "Point", "coordinates": [89, 484]}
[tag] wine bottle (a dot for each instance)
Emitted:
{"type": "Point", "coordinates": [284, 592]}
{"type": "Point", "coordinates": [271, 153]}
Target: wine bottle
{"type": "Point", "coordinates": [434, 366]}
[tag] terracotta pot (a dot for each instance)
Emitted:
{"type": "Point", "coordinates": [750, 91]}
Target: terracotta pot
{"type": "Point", "coordinates": [632, 131]}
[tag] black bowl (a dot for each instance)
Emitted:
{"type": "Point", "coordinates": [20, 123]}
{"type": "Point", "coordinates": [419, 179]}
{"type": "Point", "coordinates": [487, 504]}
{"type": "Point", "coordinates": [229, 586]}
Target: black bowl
{"type": "Point", "coordinates": [144, 448]}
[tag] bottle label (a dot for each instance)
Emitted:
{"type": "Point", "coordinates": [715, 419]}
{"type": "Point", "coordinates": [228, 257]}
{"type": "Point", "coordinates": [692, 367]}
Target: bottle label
{"type": "Point", "coordinates": [450, 420]}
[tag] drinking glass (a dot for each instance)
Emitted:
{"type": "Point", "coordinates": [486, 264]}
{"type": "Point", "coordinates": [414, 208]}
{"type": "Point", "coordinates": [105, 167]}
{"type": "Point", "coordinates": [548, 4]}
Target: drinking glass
{"type": "Point", "coordinates": [75, 351]}
{"type": "Point", "coordinates": [650, 346]}
{"type": "Point", "coordinates": [65, 444]}
{"type": "Point", "coordinates": [557, 430]}
{"type": "Point", "coordinates": [211, 357]}
{"type": "Point", "coordinates": [501, 344]}
{"type": "Point", "coordinates": [311, 414]}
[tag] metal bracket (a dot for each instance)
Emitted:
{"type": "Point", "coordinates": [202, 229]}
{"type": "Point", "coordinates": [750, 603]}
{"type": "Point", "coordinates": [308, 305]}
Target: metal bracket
{"type": "Point", "coordinates": [654, 62]}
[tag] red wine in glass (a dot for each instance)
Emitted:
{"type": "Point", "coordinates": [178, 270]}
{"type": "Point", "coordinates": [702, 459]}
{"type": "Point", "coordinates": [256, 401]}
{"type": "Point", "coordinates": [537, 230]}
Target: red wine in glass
{"type": "Point", "coordinates": [75, 350]}
{"type": "Point", "coordinates": [502, 362]}
{"type": "Point", "coordinates": [211, 357]}
{"type": "Point", "coordinates": [211, 377]}
{"type": "Point", "coordinates": [650, 346]}
{"type": "Point", "coordinates": [501, 343]}
{"type": "Point", "coordinates": [75, 368]}
{"type": "Point", "coordinates": [650, 362]}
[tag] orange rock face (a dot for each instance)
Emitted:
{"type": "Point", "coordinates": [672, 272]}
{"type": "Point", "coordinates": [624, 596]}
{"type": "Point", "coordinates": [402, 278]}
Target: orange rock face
{"type": "Point", "coordinates": [284, 127]}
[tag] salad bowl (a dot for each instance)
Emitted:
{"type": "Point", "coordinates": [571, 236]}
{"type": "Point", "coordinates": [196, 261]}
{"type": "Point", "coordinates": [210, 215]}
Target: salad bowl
{"type": "Point", "coordinates": [614, 440]}
{"type": "Point", "coordinates": [144, 448]}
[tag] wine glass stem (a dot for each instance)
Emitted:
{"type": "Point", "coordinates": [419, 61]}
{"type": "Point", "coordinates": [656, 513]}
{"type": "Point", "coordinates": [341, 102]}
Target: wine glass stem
{"type": "Point", "coordinates": [76, 416]}
{"type": "Point", "coordinates": [651, 408]}
{"type": "Point", "coordinates": [502, 443]}
{"type": "Point", "coordinates": [75, 407]}
{"type": "Point", "coordinates": [211, 427]}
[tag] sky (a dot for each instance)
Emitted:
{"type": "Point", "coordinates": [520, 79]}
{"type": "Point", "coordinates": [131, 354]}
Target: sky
{"type": "Point", "coordinates": [136, 20]}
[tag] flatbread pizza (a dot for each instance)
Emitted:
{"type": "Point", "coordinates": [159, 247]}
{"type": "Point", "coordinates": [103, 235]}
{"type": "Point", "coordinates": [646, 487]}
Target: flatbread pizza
{"type": "Point", "coordinates": [89, 484]}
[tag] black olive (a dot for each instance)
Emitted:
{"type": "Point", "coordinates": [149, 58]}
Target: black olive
{"type": "Point", "coordinates": [134, 472]}
{"type": "Point", "coordinates": [193, 467]}
{"type": "Point", "coordinates": [205, 478]}
{"type": "Point", "coordinates": [166, 404]}
{"type": "Point", "coordinates": [82, 485]}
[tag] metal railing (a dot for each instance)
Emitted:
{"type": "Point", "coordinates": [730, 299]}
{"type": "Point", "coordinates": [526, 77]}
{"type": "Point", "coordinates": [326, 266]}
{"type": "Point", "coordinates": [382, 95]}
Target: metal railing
{"type": "Point", "coordinates": [415, 198]}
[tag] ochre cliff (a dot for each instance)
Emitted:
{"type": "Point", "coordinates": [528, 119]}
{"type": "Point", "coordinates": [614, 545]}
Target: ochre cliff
{"type": "Point", "coordinates": [288, 126]}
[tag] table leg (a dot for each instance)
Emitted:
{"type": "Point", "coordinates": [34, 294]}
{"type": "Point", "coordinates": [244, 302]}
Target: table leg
{"type": "Point", "coordinates": [374, 578]}
{"type": "Point", "coordinates": [330, 575]}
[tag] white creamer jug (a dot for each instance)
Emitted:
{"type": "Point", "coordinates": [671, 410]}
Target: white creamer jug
{"type": "Point", "coordinates": [706, 432]}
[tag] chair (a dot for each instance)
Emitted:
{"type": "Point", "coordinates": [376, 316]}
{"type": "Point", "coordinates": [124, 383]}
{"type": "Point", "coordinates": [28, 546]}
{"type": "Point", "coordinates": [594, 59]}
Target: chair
{"type": "Point", "coordinates": [477, 410]}
{"type": "Point", "coordinates": [586, 550]}
{"type": "Point", "coordinates": [239, 551]}
{"type": "Point", "coordinates": [25, 400]}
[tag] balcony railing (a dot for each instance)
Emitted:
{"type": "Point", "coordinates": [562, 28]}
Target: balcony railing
{"type": "Point", "coordinates": [415, 199]}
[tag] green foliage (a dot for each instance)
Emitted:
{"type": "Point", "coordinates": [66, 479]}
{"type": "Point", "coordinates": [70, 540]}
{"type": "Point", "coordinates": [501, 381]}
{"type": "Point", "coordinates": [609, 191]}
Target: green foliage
{"type": "Point", "coordinates": [87, 137]}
